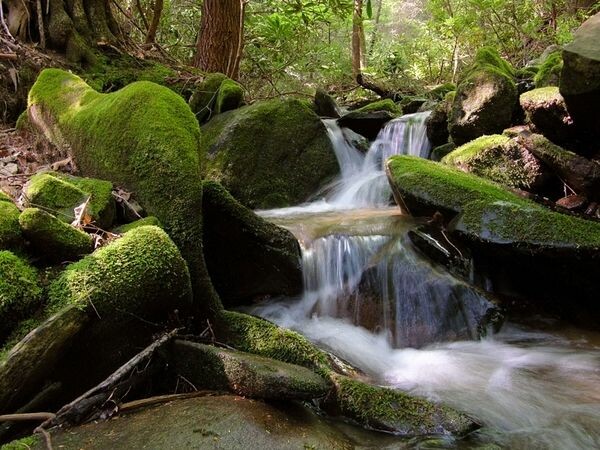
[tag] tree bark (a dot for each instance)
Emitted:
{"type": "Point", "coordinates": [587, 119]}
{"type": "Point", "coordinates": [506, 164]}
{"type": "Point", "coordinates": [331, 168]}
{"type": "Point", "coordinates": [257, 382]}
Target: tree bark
{"type": "Point", "coordinates": [156, 13]}
{"type": "Point", "coordinates": [220, 42]}
{"type": "Point", "coordinates": [357, 39]}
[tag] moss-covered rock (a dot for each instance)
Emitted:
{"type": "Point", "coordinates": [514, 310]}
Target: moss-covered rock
{"type": "Point", "coordinates": [216, 94]}
{"type": "Point", "coordinates": [150, 220]}
{"type": "Point", "coordinates": [144, 138]}
{"type": "Point", "coordinates": [500, 159]}
{"type": "Point", "coordinates": [269, 154]}
{"type": "Point", "coordinates": [439, 92]}
{"type": "Point", "coordinates": [437, 124]}
{"type": "Point", "coordinates": [53, 239]}
{"type": "Point", "coordinates": [391, 410]}
{"type": "Point", "coordinates": [20, 292]}
{"type": "Point", "coordinates": [61, 193]}
{"type": "Point", "coordinates": [485, 98]}
{"type": "Point", "coordinates": [545, 108]}
{"type": "Point", "coordinates": [548, 73]}
{"type": "Point", "coordinates": [262, 258]}
{"type": "Point", "coordinates": [439, 152]}
{"type": "Point", "coordinates": [411, 105]}
{"type": "Point", "coordinates": [245, 374]}
{"type": "Point", "coordinates": [10, 231]}
{"type": "Point", "coordinates": [382, 105]}
{"type": "Point", "coordinates": [325, 105]}
{"type": "Point", "coordinates": [580, 79]}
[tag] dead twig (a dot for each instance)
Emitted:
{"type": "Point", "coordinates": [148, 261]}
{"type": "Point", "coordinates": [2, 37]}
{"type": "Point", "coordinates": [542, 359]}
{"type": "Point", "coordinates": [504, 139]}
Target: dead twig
{"type": "Point", "coordinates": [26, 417]}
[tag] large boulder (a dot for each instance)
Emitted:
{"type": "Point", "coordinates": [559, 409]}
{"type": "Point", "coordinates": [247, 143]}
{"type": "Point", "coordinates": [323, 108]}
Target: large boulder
{"type": "Point", "coordinates": [580, 79]}
{"type": "Point", "coordinates": [545, 109]}
{"type": "Point", "coordinates": [261, 257]}
{"type": "Point", "coordinates": [500, 159]}
{"type": "Point", "coordinates": [270, 154]}
{"type": "Point", "coordinates": [522, 247]}
{"type": "Point", "coordinates": [144, 138]}
{"type": "Point", "coordinates": [485, 98]}
{"type": "Point", "coordinates": [10, 231]}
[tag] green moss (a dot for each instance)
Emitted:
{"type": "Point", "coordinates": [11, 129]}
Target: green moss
{"type": "Point", "coordinates": [150, 220]}
{"type": "Point", "coordinates": [230, 96]}
{"type": "Point", "coordinates": [488, 57]}
{"type": "Point", "coordinates": [53, 239]}
{"type": "Point", "coordinates": [549, 71]}
{"type": "Point", "coordinates": [439, 152]}
{"type": "Point", "coordinates": [20, 292]}
{"type": "Point", "coordinates": [141, 273]}
{"type": "Point", "coordinates": [25, 443]}
{"type": "Point", "coordinates": [465, 152]}
{"type": "Point", "coordinates": [441, 91]}
{"type": "Point", "coordinates": [541, 95]}
{"type": "Point", "coordinates": [382, 105]}
{"type": "Point", "coordinates": [144, 138]}
{"type": "Point", "coordinates": [269, 154]}
{"type": "Point", "coordinates": [486, 209]}
{"type": "Point", "coordinates": [254, 335]}
{"type": "Point", "coordinates": [10, 231]}
{"type": "Point", "coordinates": [203, 100]}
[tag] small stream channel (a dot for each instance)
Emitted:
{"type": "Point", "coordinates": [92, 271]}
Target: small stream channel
{"type": "Point", "coordinates": [371, 299]}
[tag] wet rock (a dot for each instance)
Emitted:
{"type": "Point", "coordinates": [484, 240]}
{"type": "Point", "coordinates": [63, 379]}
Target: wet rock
{"type": "Point", "coordinates": [215, 95]}
{"type": "Point", "coordinates": [10, 231]}
{"type": "Point", "coordinates": [572, 202]}
{"type": "Point", "coordinates": [263, 258]}
{"type": "Point", "coordinates": [367, 124]}
{"type": "Point", "coordinates": [53, 239]}
{"type": "Point", "coordinates": [485, 99]}
{"type": "Point", "coordinates": [437, 125]}
{"type": "Point", "coordinates": [270, 154]}
{"type": "Point", "coordinates": [411, 105]}
{"type": "Point", "coordinates": [546, 110]}
{"type": "Point", "coordinates": [245, 374]}
{"type": "Point", "coordinates": [579, 173]}
{"type": "Point", "coordinates": [325, 105]}
{"type": "Point", "coordinates": [62, 193]}
{"type": "Point", "coordinates": [580, 79]}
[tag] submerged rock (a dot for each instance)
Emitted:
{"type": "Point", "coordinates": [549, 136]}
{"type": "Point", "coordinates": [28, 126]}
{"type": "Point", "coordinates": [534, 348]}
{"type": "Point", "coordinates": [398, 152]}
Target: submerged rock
{"type": "Point", "coordinates": [53, 239]}
{"type": "Point", "coordinates": [245, 374]}
{"type": "Point", "coordinates": [485, 98]}
{"type": "Point", "coordinates": [261, 257]}
{"type": "Point", "coordinates": [367, 124]}
{"type": "Point", "coordinates": [10, 231]}
{"type": "Point", "coordinates": [269, 154]}
{"type": "Point", "coordinates": [545, 108]}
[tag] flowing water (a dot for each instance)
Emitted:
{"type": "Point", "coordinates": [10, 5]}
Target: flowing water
{"type": "Point", "coordinates": [375, 302]}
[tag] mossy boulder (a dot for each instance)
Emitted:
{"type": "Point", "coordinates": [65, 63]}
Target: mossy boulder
{"type": "Point", "coordinates": [20, 292]}
{"type": "Point", "coordinates": [382, 105]}
{"type": "Point", "coordinates": [580, 79]}
{"type": "Point", "coordinates": [144, 138]}
{"type": "Point", "coordinates": [239, 245]}
{"type": "Point", "coordinates": [61, 193]}
{"type": "Point", "coordinates": [500, 159]}
{"type": "Point", "coordinates": [150, 220]}
{"type": "Point", "coordinates": [440, 92]}
{"type": "Point", "coordinates": [10, 231]}
{"type": "Point", "coordinates": [395, 411]}
{"type": "Point", "coordinates": [270, 154]}
{"type": "Point", "coordinates": [53, 239]}
{"type": "Point", "coordinates": [546, 110]}
{"type": "Point", "coordinates": [245, 374]}
{"type": "Point", "coordinates": [325, 105]}
{"type": "Point", "coordinates": [523, 247]}
{"type": "Point", "coordinates": [485, 98]}
{"type": "Point", "coordinates": [215, 95]}
{"type": "Point", "coordinates": [548, 73]}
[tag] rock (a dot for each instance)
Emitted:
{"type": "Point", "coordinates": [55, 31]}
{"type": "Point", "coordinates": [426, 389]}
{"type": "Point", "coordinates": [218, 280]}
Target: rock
{"type": "Point", "coordinates": [485, 99]}
{"type": "Point", "coordinates": [515, 131]}
{"type": "Point", "coordinates": [439, 152]}
{"type": "Point", "coordinates": [500, 159]}
{"type": "Point", "coordinates": [219, 422]}
{"type": "Point", "coordinates": [522, 247]}
{"type": "Point", "coordinates": [269, 154]}
{"type": "Point", "coordinates": [262, 258]}
{"type": "Point", "coordinates": [546, 110]}
{"type": "Point", "coordinates": [382, 105]}
{"type": "Point", "coordinates": [356, 140]}
{"type": "Point", "coordinates": [411, 105]}
{"type": "Point", "coordinates": [437, 124]}
{"type": "Point", "coordinates": [580, 79]}
{"type": "Point", "coordinates": [548, 73]}
{"type": "Point", "coordinates": [216, 94]}
{"type": "Point", "coordinates": [62, 193]}
{"type": "Point", "coordinates": [245, 374]}
{"type": "Point", "coordinates": [579, 173]}
{"type": "Point", "coordinates": [572, 202]}
{"type": "Point", "coordinates": [150, 220]}
{"type": "Point", "coordinates": [394, 411]}
{"type": "Point", "coordinates": [34, 359]}
{"type": "Point", "coordinates": [20, 292]}
{"type": "Point", "coordinates": [325, 105]}
{"type": "Point", "coordinates": [151, 150]}
{"type": "Point", "coordinates": [367, 124]}
{"type": "Point", "coordinates": [10, 231]}
{"type": "Point", "coordinates": [440, 92]}
{"type": "Point", "coordinates": [53, 239]}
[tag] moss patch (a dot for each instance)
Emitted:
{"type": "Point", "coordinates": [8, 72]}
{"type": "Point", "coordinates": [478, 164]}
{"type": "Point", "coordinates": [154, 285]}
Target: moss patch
{"type": "Point", "coordinates": [464, 153]}
{"type": "Point", "coordinates": [382, 105]}
{"type": "Point", "coordinates": [10, 231]}
{"type": "Point", "coordinates": [540, 95]}
{"type": "Point", "coordinates": [20, 292]}
{"type": "Point", "coordinates": [488, 211]}
{"type": "Point", "coordinates": [25, 443]}
{"type": "Point", "coordinates": [549, 71]}
{"type": "Point", "coordinates": [215, 95]}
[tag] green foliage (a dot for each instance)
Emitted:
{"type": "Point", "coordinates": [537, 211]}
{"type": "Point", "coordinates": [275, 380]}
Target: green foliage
{"type": "Point", "coordinates": [549, 71]}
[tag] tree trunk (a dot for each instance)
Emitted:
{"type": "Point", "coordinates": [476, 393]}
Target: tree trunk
{"type": "Point", "coordinates": [220, 42]}
{"type": "Point", "coordinates": [156, 13]}
{"type": "Point", "coordinates": [357, 39]}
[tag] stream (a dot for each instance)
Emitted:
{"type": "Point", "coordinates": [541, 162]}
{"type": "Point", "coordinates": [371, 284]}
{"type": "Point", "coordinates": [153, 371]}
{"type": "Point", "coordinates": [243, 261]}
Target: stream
{"type": "Point", "coordinates": [374, 301]}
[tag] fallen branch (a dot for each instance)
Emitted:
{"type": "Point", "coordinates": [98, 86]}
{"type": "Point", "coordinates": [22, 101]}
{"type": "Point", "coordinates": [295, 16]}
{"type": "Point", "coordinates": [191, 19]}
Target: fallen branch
{"type": "Point", "coordinates": [11, 56]}
{"type": "Point", "coordinates": [163, 399]}
{"type": "Point", "coordinates": [26, 417]}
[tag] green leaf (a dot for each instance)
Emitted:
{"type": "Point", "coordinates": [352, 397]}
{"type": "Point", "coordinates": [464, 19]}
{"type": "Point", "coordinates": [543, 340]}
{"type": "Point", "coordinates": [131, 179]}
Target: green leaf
{"type": "Point", "coordinates": [369, 9]}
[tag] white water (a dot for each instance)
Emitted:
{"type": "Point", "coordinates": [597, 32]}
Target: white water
{"type": "Point", "coordinates": [530, 389]}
